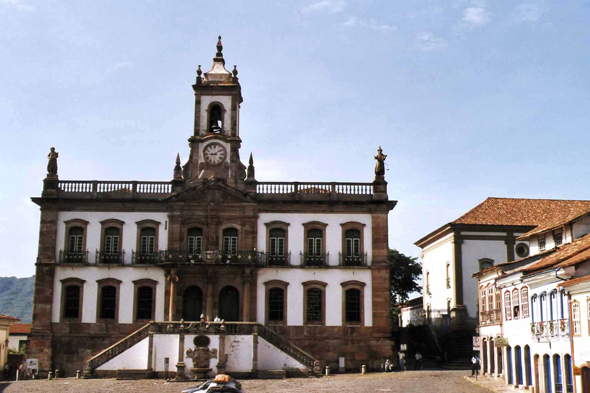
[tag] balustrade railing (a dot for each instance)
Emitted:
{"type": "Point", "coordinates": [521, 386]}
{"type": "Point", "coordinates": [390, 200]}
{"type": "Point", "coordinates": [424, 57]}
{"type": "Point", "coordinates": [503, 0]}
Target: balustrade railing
{"type": "Point", "coordinates": [119, 188]}
{"type": "Point", "coordinates": [278, 260]}
{"type": "Point", "coordinates": [113, 257]}
{"type": "Point", "coordinates": [73, 257]}
{"type": "Point", "coordinates": [550, 329]}
{"type": "Point", "coordinates": [139, 258]}
{"type": "Point", "coordinates": [352, 260]}
{"type": "Point", "coordinates": [314, 260]}
{"type": "Point", "coordinates": [314, 188]}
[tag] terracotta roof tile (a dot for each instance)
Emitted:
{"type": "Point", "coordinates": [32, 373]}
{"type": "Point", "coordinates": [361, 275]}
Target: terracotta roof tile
{"type": "Point", "coordinates": [21, 328]}
{"type": "Point", "coordinates": [540, 213]}
{"type": "Point", "coordinates": [9, 317]}
{"type": "Point", "coordinates": [567, 255]}
{"type": "Point", "coordinates": [574, 281]}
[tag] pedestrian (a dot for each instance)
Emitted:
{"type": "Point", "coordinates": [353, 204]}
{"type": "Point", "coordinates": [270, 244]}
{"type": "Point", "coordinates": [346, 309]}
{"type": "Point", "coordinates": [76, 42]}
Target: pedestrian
{"type": "Point", "coordinates": [418, 364]}
{"type": "Point", "coordinates": [475, 366]}
{"type": "Point", "coordinates": [402, 361]}
{"type": "Point", "coordinates": [387, 366]}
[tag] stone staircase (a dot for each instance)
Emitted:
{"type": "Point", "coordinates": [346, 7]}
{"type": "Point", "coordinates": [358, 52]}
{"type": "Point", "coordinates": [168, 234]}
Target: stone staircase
{"type": "Point", "coordinates": [202, 327]}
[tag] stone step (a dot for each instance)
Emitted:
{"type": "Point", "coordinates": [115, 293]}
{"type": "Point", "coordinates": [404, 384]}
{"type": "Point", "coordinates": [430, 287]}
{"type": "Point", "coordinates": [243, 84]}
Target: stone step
{"type": "Point", "coordinates": [123, 374]}
{"type": "Point", "coordinates": [272, 374]}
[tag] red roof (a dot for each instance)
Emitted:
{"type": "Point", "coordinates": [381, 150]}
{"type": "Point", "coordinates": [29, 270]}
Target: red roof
{"type": "Point", "coordinates": [21, 328]}
{"type": "Point", "coordinates": [541, 213]}
{"type": "Point", "coordinates": [574, 281]}
{"type": "Point", "coordinates": [567, 255]}
{"type": "Point", "coordinates": [9, 317]}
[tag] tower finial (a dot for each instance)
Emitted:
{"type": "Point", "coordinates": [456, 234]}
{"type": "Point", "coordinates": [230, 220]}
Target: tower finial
{"type": "Point", "coordinates": [250, 176]}
{"type": "Point", "coordinates": [219, 48]}
{"type": "Point", "coordinates": [177, 168]}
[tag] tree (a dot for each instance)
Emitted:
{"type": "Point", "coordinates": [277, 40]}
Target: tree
{"type": "Point", "coordinates": [404, 279]}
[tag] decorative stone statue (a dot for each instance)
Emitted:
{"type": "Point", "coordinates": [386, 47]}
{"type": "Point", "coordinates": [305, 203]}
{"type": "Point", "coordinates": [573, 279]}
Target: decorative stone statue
{"type": "Point", "coordinates": [52, 165]}
{"type": "Point", "coordinates": [201, 356]}
{"type": "Point", "coordinates": [380, 166]}
{"type": "Point", "coordinates": [178, 169]}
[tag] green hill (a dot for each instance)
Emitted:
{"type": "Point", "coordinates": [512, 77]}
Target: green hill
{"type": "Point", "coordinates": [16, 297]}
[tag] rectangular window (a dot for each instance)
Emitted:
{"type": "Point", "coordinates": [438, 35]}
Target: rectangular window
{"type": "Point", "coordinates": [314, 246]}
{"type": "Point", "coordinates": [111, 245]}
{"type": "Point", "coordinates": [542, 243]}
{"type": "Point", "coordinates": [558, 238]}
{"type": "Point", "coordinates": [195, 244]}
{"type": "Point", "coordinates": [314, 305]}
{"type": "Point", "coordinates": [353, 247]}
{"type": "Point", "coordinates": [507, 306]}
{"type": "Point", "coordinates": [277, 246]}
{"type": "Point", "coordinates": [230, 245]}
{"type": "Point", "coordinates": [148, 245]}
{"type": "Point", "coordinates": [76, 242]}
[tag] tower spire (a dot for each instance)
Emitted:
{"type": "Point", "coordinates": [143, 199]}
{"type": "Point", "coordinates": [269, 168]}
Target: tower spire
{"type": "Point", "coordinates": [219, 54]}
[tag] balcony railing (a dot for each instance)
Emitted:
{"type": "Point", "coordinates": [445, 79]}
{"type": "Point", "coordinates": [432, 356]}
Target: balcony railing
{"type": "Point", "coordinates": [73, 257]}
{"type": "Point", "coordinates": [103, 257]}
{"type": "Point", "coordinates": [138, 258]}
{"type": "Point", "coordinates": [550, 329]}
{"type": "Point", "coordinates": [352, 260]}
{"type": "Point", "coordinates": [490, 317]}
{"type": "Point", "coordinates": [314, 260]}
{"type": "Point", "coordinates": [278, 260]}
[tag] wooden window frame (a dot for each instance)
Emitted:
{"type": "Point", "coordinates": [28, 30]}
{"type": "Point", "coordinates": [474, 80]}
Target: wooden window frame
{"type": "Point", "coordinates": [145, 282]}
{"type": "Point", "coordinates": [111, 223]}
{"type": "Point", "coordinates": [516, 296]}
{"type": "Point", "coordinates": [69, 224]}
{"type": "Point", "coordinates": [544, 237]}
{"type": "Point", "coordinates": [277, 225]}
{"type": "Point", "coordinates": [490, 296]}
{"type": "Point", "coordinates": [148, 224]}
{"type": "Point", "coordinates": [353, 284]}
{"type": "Point", "coordinates": [318, 285]}
{"type": "Point", "coordinates": [558, 234]}
{"type": "Point", "coordinates": [314, 225]}
{"type": "Point", "coordinates": [208, 111]}
{"type": "Point", "coordinates": [482, 299]}
{"type": "Point", "coordinates": [524, 300]}
{"type": "Point", "coordinates": [576, 303]}
{"type": "Point", "coordinates": [69, 282]}
{"type": "Point", "coordinates": [508, 305]}
{"type": "Point", "coordinates": [228, 226]}
{"type": "Point", "coordinates": [268, 285]}
{"type": "Point", "coordinates": [186, 237]}
{"type": "Point", "coordinates": [104, 283]}
{"type": "Point", "coordinates": [359, 226]}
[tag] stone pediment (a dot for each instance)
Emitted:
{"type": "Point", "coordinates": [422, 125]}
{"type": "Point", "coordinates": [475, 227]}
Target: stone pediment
{"type": "Point", "coordinates": [214, 192]}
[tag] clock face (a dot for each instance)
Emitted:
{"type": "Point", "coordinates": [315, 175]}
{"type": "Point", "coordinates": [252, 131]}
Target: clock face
{"type": "Point", "coordinates": [214, 154]}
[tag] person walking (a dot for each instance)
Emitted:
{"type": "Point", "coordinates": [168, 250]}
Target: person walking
{"type": "Point", "coordinates": [418, 363]}
{"type": "Point", "coordinates": [475, 366]}
{"type": "Point", "coordinates": [402, 361]}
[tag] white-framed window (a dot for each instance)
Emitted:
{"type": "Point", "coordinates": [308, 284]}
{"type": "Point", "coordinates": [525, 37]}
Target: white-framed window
{"type": "Point", "coordinates": [277, 242]}
{"type": "Point", "coordinates": [542, 242]}
{"type": "Point", "coordinates": [507, 305]}
{"type": "Point", "coordinates": [230, 241]}
{"type": "Point", "coordinates": [516, 304]}
{"type": "Point", "coordinates": [524, 295]}
{"type": "Point", "coordinates": [576, 318]}
{"type": "Point", "coordinates": [111, 241]}
{"type": "Point", "coordinates": [558, 238]}
{"type": "Point", "coordinates": [195, 240]}
{"type": "Point", "coordinates": [314, 241]}
{"type": "Point", "coordinates": [148, 241]}
{"type": "Point", "coordinates": [353, 242]}
{"type": "Point", "coordinates": [76, 242]}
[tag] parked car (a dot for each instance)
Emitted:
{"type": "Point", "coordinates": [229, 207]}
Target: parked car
{"type": "Point", "coordinates": [220, 384]}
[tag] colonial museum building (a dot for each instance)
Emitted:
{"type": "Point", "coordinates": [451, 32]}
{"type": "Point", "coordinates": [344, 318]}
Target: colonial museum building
{"type": "Point", "coordinates": [212, 271]}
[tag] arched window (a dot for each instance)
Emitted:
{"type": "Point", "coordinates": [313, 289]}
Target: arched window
{"type": "Point", "coordinates": [108, 302]}
{"type": "Point", "coordinates": [277, 242]}
{"type": "Point", "coordinates": [76, 240]}
{"type": "Point", "coordinates": [542, 304]}
{"type": "Point", "coordinates": [230, 241]}
{"type": "Point", "coordinates": [524, 296]}
{"type": "Point", "coordinates": [148, 241]}
{"type": "Point", "coordinates": [534, 301]}
{"type": "Point", "coordinates": [448, 275]}
{"type": "Point", "coordinates": [314, 242]}
{"type": "Point", "coordinates": [576, 318]}
{"type": "Point", "coordinates": [485, 263]}
{"type": "Point", "coordinates": [516, 304]}
{"type": "Point", "coordinates": [195, 240]}
{"type": "Point", "coordinates": [353, 242]}
{"type": "Point", "coordinates": [498, 300]}
{"type": "Point", "coordinates": [276, 305]}
{"type": "Point", "coordinates": [490, 290]}
{"type": "Point", "coordinates": [507, 305]}
{"type": "Point", "coordinates": [314, 302]}
{"type": "Point", "coordinates": [553, 306]}
{"type": "Point", "coordinates": [215, 119]}
{"type": "Point", "coordinates": [482, 302]}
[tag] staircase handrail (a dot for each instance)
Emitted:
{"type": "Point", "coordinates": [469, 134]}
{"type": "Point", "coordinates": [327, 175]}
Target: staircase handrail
{"type": "Point", "coordinates": [286, 346]}
{"type": "Point", "coordinates": [104, 356]}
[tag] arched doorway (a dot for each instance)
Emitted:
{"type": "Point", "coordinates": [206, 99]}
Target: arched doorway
{"type": "Point", "coordinates": [537, 368]}
{"type": "Point", "coordinates": [192, 303]}
{"type": "Point", "coordinates": [518, 365]}
{"type": "Point", "coordinates": [528, 368]}
{"type": "Point", "coordinates": [229, 304]}
{"type": "Point", "coordinates": [484, 356]}
{"type": "Point", "coordinates": [585, 379]}
{"type": "Point", "coordinates": [547, 374]}
{"type": "Point", "coordinates": [509, 379]}
{"type": "Point", "coordinates": [500, 363]}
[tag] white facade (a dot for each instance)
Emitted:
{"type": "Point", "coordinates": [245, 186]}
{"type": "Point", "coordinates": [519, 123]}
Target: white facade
{"type": "Point", "coordinates": [14, 341]}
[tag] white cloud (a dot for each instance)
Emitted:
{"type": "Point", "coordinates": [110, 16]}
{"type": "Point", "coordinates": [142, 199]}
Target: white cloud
{"type": "Point", "coordinates": [428, 42]}
{"type": "Point", "coordinates": [325, 6]}
{"type": "Point", "coordinates": [473, 18]}
{"type": "Point", "coordinates": [528, 12]}
{"type": "Point", "coordinates": [120, 65]}
{"type": "Point", "coordinates": [18, 4]}
{"type": "Point", "coordinates": [354, 21]}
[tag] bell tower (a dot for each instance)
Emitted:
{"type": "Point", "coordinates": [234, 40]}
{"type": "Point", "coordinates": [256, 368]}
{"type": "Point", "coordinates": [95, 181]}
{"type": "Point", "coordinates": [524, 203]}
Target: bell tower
{"type": "Point", "coordinates": [215, 143]}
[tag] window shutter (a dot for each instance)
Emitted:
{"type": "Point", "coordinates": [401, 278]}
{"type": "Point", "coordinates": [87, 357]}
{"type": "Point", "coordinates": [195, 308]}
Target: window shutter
{"type": "Point", "coordinates": [318, 246]}
{"type": "Point", "coordinates": [73, 244]}
{"type": "Point", "coordinates": [152, 244]}
{"type": "Point", "coordinates": [281, 246]}
{"type": "Point", "coordinates": [273, 246]}
{"type": "Point", "coordinates": [198, 244]}
{"type": "Point", "coordinates": [108, 244]}
{"type": "Point", "coordinates": [191, 244]}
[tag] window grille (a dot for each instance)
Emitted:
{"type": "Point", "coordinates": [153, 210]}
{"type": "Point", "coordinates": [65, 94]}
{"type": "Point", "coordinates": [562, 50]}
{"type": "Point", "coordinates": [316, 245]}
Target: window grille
{"type": "Point", "coordinates": [144, 303]}
{"type": "Point", "coordinates": [276, 304]}
{"type": "Point", "coordinates": [314, 305]}
{"type": "Point", "coordinates": [72, 302]}
{"type": "Point", "coordinates": [558, 238]}
{"type": "Point", "coordinates": [353, 305]}
{"type": "Point", "coordinates": [108, 303]}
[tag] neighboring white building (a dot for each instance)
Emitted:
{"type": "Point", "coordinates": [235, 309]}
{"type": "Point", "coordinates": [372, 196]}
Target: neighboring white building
{"type": "Point", "coordinates": [411, 313]}
{"type": "Point", "coordinates": [5, 323]}
{"type": "Point", "coordinates": [18, 339]}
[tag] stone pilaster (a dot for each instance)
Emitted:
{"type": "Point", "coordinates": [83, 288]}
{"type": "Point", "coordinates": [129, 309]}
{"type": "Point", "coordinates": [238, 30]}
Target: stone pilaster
{"type": "Point", "coordinates": [180, 366]}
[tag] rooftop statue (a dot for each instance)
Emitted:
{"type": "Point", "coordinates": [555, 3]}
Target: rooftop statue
{"type": "Point", "coordinates": [380, 166]}
{"type": "Point", "coordinates": [52, 164]}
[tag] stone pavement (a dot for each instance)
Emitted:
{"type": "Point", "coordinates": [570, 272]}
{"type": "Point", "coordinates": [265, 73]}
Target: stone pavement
{"type": "Point", "coordinates": [495, 384]}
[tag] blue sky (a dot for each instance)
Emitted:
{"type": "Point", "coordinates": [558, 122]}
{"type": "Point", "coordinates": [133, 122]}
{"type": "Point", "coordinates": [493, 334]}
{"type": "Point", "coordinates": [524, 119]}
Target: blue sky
{"type": "Point", "coordinates": [469, 98]}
